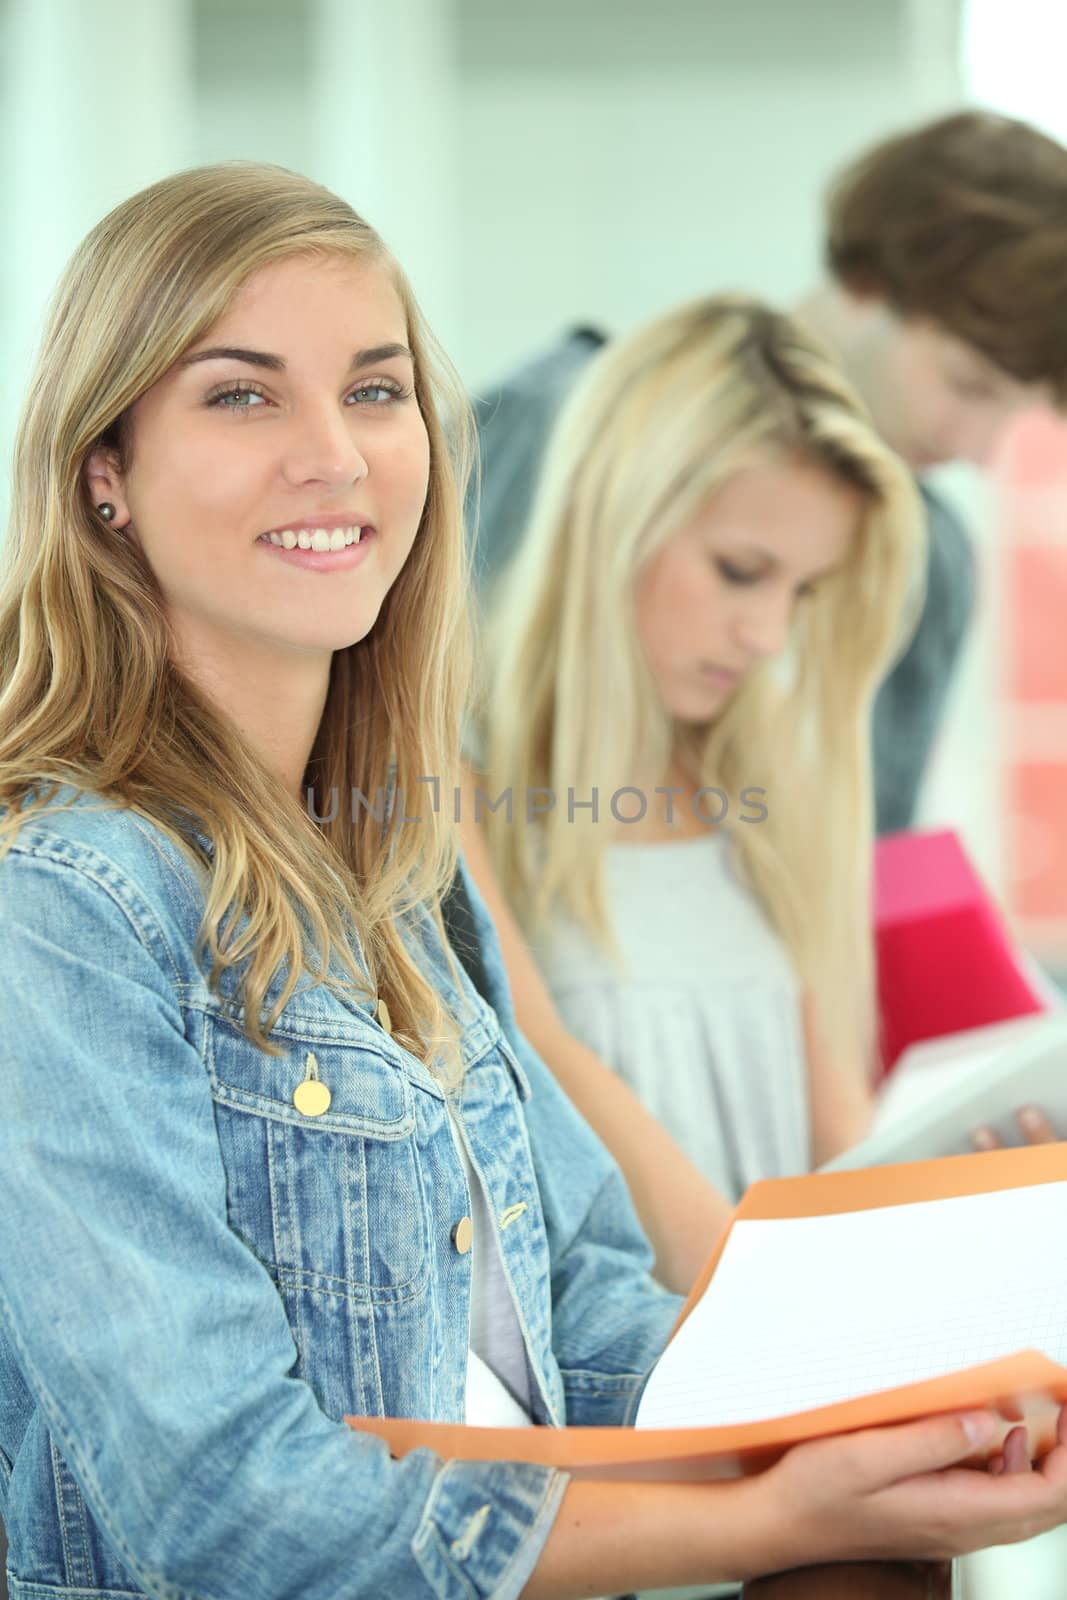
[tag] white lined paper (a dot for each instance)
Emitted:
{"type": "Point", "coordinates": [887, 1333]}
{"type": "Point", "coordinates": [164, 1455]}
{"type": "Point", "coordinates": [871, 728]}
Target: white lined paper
{"type": "Point", "coordinates": [806, 1312]}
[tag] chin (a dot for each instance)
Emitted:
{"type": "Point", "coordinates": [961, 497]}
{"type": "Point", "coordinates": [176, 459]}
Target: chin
{"type": "Point", "coordinates": [926, 460]}
{"type": "Point", "coordinates": [333, 633]}
{"type": "Point", "coordinates": [697, 713]}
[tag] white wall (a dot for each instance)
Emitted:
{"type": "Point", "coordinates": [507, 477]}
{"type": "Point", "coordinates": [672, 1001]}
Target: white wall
{"type": "Point", "coordinates": [534, 164]}
{"type": "Point", "coordinates": [94, 105]}
{"type": "Point", "coordinates": [252, 81]}
{"type": "Point", "coordinates": [617, 156]}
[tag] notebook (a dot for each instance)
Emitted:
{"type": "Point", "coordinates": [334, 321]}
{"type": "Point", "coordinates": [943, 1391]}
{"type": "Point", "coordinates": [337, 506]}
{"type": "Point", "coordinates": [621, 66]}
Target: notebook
{"type": "Point", "coordinates": [945, 1089]}
{"type": "Point", "coordinates": [838, 1301]}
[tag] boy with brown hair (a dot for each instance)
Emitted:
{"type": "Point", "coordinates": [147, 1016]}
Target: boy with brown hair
{"type": "Point", "coordinates": [947, 249]}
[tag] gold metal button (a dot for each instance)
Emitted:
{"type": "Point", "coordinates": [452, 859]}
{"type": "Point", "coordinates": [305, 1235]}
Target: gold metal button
{"type": "Point", "coordinates": [383, 1016]}
{"type": "Point", "coordinates": [463, 1235]}
{"type": "Point", "coordinates": [311, 1097]}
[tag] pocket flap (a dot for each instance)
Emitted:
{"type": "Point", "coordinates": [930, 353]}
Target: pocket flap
{"type": "Point", "coordinates": [368, 1095]}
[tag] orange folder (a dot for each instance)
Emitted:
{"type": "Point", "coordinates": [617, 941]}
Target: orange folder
{"type": "Point", "coordinates": [1024, 1387]}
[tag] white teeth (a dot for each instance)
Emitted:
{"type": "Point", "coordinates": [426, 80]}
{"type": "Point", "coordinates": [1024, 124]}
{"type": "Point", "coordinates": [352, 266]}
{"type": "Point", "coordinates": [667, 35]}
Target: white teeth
{"type": "Point", "coordinates": [316, 538]}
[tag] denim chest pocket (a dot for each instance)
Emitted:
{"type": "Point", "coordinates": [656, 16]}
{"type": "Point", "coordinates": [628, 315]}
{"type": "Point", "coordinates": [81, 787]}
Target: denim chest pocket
{"type": "Point", "coordinates": [331, 1200]}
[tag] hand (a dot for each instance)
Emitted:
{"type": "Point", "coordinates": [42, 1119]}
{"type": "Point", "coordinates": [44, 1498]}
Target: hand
{"type": "Point", "coordinates": [1034, 1126]}
{"type": "Point", "coordinates": [902, 1492]}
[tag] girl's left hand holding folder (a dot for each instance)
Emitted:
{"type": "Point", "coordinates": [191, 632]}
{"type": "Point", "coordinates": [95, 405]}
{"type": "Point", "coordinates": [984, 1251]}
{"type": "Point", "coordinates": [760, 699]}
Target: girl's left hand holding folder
{"type": "Point", "coordinates": [905, 1490]}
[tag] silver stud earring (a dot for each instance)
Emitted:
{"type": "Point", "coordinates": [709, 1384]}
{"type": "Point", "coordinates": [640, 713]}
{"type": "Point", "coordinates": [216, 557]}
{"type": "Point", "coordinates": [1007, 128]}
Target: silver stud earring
{"type": "Point", "coordinates": [106, 510]}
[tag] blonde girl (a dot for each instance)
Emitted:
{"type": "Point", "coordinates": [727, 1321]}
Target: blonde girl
{"type": "Point", "coordinates": [716, 577]}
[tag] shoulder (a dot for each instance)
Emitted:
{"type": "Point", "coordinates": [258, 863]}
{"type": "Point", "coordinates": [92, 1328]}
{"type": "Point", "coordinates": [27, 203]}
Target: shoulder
{"type": "Point", "coordinates": [540, 383]}
{"type": "Point", "coordinates": [951, 550]}
{"type": "Point", "coordinates": [951, 581]}
{"type": "Point", "coordinates": [81, 847]}
{"type": "Point", "coordinates": [940, 511]}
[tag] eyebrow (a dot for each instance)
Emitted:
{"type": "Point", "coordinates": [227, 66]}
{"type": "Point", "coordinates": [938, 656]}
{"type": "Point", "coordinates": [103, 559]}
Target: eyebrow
{"type": "Point", "coordinates": [273, 363]}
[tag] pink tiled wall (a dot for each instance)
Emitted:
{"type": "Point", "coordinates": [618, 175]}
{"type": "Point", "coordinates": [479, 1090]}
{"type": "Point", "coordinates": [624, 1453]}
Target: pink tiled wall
{"type": "Point", "coordinates": [1032, 557]}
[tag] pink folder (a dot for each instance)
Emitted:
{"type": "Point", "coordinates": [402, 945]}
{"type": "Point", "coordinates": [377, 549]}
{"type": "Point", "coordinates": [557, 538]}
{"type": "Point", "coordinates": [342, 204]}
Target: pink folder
{"type": "Point", "coordinates": [946, 961]}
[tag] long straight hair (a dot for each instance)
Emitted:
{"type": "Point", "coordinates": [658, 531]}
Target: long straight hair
{"type": "Point", "coordinates": [90, 695]}
{"type": "Point", "coordinates": [659, 422]}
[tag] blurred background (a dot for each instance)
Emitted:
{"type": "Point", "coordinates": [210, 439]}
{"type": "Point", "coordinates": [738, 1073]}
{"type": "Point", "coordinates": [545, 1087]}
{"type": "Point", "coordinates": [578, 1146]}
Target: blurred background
{"type": "Point", "coordinates": [586, 161]}
{"type": "Point", "coordinates": [537, 166]}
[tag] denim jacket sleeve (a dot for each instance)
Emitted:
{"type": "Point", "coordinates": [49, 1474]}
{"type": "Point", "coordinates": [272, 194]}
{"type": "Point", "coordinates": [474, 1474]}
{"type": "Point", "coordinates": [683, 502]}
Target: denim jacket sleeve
{"type": "Point", "coordinates": [152, 1338]}
{"type": "Point", "coordinates": [610, 1319]}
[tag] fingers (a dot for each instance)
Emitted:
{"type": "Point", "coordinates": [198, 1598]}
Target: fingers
{"type": "Point", "coordinates": [1016, 1451]}
{"type": "Point", "coordinates": [885, 1455]}
{"type": "Point", "coordinates": [1035, 1125]}
{"type": "Point", "coordinates": [1054, 1464]}
{"type": "Point", "coordinates": [910, 1490]}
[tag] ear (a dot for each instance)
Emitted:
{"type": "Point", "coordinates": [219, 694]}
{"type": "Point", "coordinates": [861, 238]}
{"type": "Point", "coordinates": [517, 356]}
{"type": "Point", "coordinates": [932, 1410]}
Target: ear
{"type": "Point", "coordinates": [104, 481]}
{"type": "Point", "coordinates": [866, 305]}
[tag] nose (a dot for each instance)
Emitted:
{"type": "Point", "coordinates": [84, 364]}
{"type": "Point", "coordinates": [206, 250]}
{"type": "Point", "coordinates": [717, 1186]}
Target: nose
{"type": "Point", "coordinates": [977, 442]}
{"type": "Point", "coordinates": [321, 447]}
{"type": "Point", "coordinates": [763, 628]}
{"type": "Point", "coordinates": [987, 445]}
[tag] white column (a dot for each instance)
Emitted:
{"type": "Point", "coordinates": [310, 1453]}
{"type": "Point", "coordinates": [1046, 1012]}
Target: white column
{"type": "Point", "coordinates": [1013, 59]}
{"type": "Point", "coordinates": [384, 110]}
{"type": "Point", "coordinates": [934, 56]}
{"type": "Point", "coordinates": [96, 103]}
{"type": "Point", "coordinates": [962, 789]}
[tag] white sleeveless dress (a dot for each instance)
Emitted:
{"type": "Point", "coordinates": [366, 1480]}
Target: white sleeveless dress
{"type": "Point", "coordinates": [703, 1020]}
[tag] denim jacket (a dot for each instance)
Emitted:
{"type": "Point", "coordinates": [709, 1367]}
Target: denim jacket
{"type": "Point", "coordinates": [197, 1281]}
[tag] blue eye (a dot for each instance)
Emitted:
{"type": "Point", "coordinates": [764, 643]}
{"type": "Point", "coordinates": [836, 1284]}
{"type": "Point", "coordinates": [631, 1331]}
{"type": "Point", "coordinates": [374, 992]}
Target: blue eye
{"type": "Point", "coordinates": [249, 397]}
{"type": "Point", "coordinates": [237, 392]}
{"type": "Point", "coordinates": [387, 391]}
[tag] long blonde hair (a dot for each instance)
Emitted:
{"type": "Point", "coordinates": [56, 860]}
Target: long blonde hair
{"type": "Point", "coordinates": [659, 422]}
{"type": "Point", "coordinates": [90, 697]}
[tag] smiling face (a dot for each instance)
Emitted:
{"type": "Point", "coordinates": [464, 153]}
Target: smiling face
{"type": "Point", "coordinates": [293, 422]}
{"type": "Point", "coordinates": [718, 597]}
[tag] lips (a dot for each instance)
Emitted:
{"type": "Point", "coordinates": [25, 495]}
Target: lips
{"type": "Point", "coordinates": [321, 560]}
